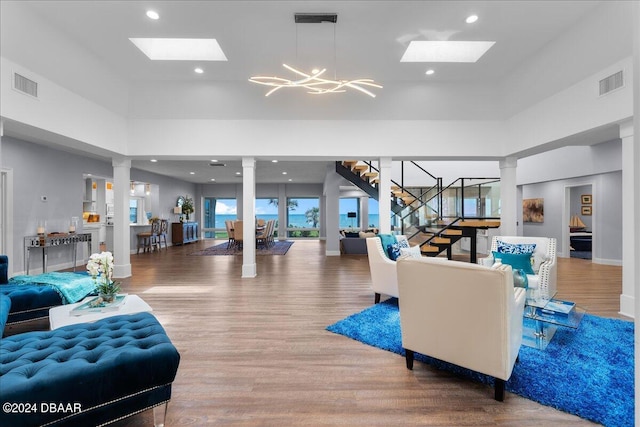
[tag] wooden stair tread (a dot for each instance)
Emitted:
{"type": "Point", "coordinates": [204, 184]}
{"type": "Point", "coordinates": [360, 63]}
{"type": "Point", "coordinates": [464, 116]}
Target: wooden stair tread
{"type": "Point", "coordinates": [450, 232]}
{"type": "Point", "coordinates": [479, 224]}
{"type": "Point", "coordinates": [350, 163]}
{"type": "Point", "coordinates": [370, 174]}
{"type": "Point", "coordinates": [360, 168]}
{"type": "Point", "coordinates": [429, 249]}
{"type": "Point", "coordinates": [441, 241]}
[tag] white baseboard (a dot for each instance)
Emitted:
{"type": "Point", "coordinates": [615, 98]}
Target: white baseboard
{"type": "Point", "coordinates": [627, 305]}
{"type": "Point", "coordinates": [332, 253]}
{"type": "Point", "coordinates": [604, 261]}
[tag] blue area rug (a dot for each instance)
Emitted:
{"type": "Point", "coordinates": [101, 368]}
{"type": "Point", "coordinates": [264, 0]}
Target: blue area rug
{"type": "Point", "coordinates": [588, 372]}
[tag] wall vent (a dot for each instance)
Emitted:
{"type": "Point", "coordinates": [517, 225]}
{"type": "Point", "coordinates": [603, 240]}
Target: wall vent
{"type": "Point", "coordinates": [613, 82]}
{"type": "Point", "coordinates": [25, 85]}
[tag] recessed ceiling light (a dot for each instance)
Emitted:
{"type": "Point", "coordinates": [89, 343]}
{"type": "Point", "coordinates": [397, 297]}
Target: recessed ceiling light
{"type": "Point", "coordinates": [471, 19]}
{"type": "Point", "coordinates": [153, 161]}
{"type": "Point", "coordinates": [192, 173]}
{"type": "Point", "coordinates": [238, 173]}
{"type": "Point", "coordinates": [212, 179]}
{"type": "Point", "coordinates": [213, 160]}
{"type": "Point", "coordinates": [429, 72]}
{"type": "Point", "coordinates": [284, 173]}
{"type": "Point", "coordinates": [199, 70]}
{"type": "Point", "coordinates": [445, 51]}
{"type": "Point", "coordinates": [290, 179]}
{"type": "Point", "coordinates": [180, 49]}
{"type": "Point", "coordinates": [274, 161]}
{"type": "Point", "coordinates": [152, 14]}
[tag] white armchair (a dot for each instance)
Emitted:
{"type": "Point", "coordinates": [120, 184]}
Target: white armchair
{"type": "Point", "coordinates": [383, 270]}
{"type": "Point", "coordinates": [543, 283]}
{"type": "Point", "coordinates": [461, 313]}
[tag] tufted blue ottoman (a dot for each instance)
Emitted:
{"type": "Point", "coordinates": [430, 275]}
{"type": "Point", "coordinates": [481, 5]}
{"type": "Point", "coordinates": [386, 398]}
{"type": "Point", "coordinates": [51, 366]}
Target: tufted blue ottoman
{"type": "Point", "coordinates": [87, 374]}
{"type": "Point", "coordinates": [30, 302]}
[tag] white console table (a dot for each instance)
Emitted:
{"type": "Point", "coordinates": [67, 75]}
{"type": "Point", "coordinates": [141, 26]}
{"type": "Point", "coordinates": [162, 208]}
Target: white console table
{"type": "Point", "coordinates": [53, 240]}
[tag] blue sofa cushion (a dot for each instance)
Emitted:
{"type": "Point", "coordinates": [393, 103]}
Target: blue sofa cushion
{"type": "Point", "coordinates": [30, 302]}
{"type": "Point", "coordinates": [5, 306]}
{"type": "Point", "coordinates": [4, 269]}
{"type": "Point", "coordinates": [89, 363]}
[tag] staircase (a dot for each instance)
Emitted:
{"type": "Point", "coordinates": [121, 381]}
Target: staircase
{"type": "Point", "coordinates": [436, 234]}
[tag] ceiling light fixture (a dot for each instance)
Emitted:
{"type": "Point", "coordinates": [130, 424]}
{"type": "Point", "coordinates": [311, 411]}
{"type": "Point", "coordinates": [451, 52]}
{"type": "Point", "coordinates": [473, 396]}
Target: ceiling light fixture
{"type": "Point", "coordinates": [429, 72]}
{"type": "Point", "coordinates": [192, 173]}
{"type": "Point", "coordinates": [471, 19]}
{"type": "Point", "coordinates": [274, 161]}
{"type": "Point", "coordinates": [153, 160]}
{"type": "Point", "coordinates": [147, 189]}
{"type": "Point", "coordinates": [132, 187]}
{"type": "Point", "coordinates": [313, 83]}
{"type": "Point", "coordinates": [152, 14]}
{"type": "Point", "coordinates": [199, 70]}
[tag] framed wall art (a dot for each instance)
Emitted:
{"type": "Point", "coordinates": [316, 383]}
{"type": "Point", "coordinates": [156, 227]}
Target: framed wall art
{"type": "Point", "coordinates": [533, 210]}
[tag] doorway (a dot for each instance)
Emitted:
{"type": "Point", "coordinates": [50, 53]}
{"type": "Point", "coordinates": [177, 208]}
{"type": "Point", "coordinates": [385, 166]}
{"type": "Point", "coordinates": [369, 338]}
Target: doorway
{"type": "Point", "coordinates": [579, 222]}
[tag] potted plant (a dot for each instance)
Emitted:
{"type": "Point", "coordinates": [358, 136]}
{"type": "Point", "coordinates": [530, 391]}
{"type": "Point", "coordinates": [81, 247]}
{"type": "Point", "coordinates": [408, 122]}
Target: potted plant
{"type": "Point", "coordinates": [187, 206]}
{"type": "Point", "coordinates": [100, 268]}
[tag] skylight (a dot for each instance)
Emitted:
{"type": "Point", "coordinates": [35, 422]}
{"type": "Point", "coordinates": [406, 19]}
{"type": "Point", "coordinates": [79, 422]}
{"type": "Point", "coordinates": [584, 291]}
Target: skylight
{"type": "Point", "coordinates": [445, 51]}
{"type": "Point", "coordinates": [180, 49]}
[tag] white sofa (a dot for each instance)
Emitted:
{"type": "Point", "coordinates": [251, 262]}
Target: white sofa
{"type": "Point", "coordinates": [383, 270]}
{"type": "Point", "coordinates": [542, 284]}
{"type": "Point", "coordinates": [461, 313]}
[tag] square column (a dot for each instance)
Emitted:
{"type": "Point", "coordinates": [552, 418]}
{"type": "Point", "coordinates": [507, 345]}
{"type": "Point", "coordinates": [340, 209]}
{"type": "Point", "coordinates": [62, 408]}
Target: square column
{"type": "Point", "coordinates": [249, 268]}
{"type": "Point", "coordinates": [384, 192]}
{"type": "Point", "coordinates": [121, 234]}
{"type": "Point", "coordinates": [508, 197]}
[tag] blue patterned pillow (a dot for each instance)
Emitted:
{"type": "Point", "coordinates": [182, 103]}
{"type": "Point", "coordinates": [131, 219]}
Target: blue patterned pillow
{"type": "Point", "coordinates": [512, 248]}
{"type": "Point", "coordinates": [394, 249]}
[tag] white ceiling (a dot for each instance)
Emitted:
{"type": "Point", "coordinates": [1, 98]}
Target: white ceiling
{"type": "Point", "coordinates": [368, 40]}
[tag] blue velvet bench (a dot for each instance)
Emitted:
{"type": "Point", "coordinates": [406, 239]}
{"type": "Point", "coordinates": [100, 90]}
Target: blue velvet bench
{"type": "Point", "coordinates": [86, 374]}
{"type": "Point", "coordinates": [28, 302]}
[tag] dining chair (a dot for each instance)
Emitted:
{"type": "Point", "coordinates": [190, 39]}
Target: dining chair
{"type": "Point", "coordinates": [238, 229]}
{"type": "Point", "coordinates": [230, 232]}
{"type": "Point", "coordinates": [161, 235]}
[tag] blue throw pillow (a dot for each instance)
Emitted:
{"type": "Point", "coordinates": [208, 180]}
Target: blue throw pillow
{"type": "Point", "coordinates": [393, 251]}
{"type": "Point", "coordinates": [520, 279]}
{"type": "Point", "coordinates": [516, 261]}
{"type": "Point", "coordinates": [513, 248]}
{"type": "Point", "coordinates": [386, 240]}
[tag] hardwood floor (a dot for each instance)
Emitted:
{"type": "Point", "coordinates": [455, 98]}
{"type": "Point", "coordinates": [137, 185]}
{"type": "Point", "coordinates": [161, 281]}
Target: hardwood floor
{"type": "Point", "coordinates": [254, 352]}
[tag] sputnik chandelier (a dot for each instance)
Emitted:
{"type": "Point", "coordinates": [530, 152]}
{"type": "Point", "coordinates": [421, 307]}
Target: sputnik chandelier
{"type": "Point", "coordinates": [313, 82]}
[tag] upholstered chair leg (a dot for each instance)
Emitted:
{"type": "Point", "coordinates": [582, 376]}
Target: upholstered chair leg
{"type": "Point", "coordinates": [376, 298]}
{"type": "Point", "coordinates": [499, 386]}
{"type": "Point", "coordinates": [159, 415]}
{"type": "Point", "coordinates": [409, 359]}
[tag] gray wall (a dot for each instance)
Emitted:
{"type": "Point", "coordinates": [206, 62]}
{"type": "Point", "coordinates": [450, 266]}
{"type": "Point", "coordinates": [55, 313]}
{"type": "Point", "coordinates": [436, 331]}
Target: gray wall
{"type": "Point", "coordinates": [606, 219]}
{"type": "Point", "coordinates": [41, 171]}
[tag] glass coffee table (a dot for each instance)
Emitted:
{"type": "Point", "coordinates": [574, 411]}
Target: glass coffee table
{"type": "Point", "coordinates": [543, 317]}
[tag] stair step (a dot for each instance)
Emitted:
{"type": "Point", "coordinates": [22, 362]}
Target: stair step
{"type": "Point", "coordinates": [360, 168]}
{"type": "Point", "coordinates": [394, 187]}
{"type": "Point", "coordinates": [479, 223]}
{"type": "Point", "coordinates": [350, 163]}
{"type": "Point", "coordinates": [369, 175]}
{"type": "Point", "coordinates": [429, 249]}
{"type": "Point", "coordinates": [441, 241]}
{"type": "Point", "coordinates": [450, 232]}
{"type": "Point", "coordinates": [375, 181]}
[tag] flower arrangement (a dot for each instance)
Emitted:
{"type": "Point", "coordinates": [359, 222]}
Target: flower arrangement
{"type": "Point", "coordinates": [100, 268]}
{"type": "Point", "coordinates": [187, 206]}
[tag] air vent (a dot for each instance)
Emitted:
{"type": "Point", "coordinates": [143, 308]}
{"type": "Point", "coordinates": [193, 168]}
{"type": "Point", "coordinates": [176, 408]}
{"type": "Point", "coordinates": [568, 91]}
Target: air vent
{"type": "Point", "coordinates": [217, 164]}
{"type": "Point", "coordinates": [25, 85]}
{"type": "Point", "coordinates": [613, 82]}
{"type": "Point", "coordinates": [315, 18]}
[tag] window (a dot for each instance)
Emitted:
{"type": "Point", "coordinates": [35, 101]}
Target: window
{"type": "Point", "coordinates": [303, 217]}
{"type": "Point", "coordinates": [374, 215]}
{"type": "Point", "coordinates": [136, 210]}
{"type": "Point", "coordinates": [349, 209]}
{"type": "Point", "coordinates": [223, 210]}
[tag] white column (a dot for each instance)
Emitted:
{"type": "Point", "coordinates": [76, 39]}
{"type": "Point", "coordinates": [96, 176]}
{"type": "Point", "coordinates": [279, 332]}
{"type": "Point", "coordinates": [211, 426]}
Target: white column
{"type": "Point", "coordinates": [364, 212]}
{"type": "Point", "coordinates": [332, 211]}
{"type": "Point", "coordinates": [508, 197]}
{"type": "Point", "coordinates": [628, 219]}
{"type": "Point", "coordinates": [249, 268]}
{"type": "Point", "coordinates": [121, 235]}
{"type": "Point", "coordinates": [384, 198]}
{"type": "Point", "coordinates": [636, 194]}
{"type": "Point", "coordinates": [282, 212]}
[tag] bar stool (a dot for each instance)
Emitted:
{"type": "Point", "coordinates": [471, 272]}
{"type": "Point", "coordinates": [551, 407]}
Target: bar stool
{"type": "Point", "coordinates": [162, 234]}
{"type": "Point", "coordinates": [149, 239]}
